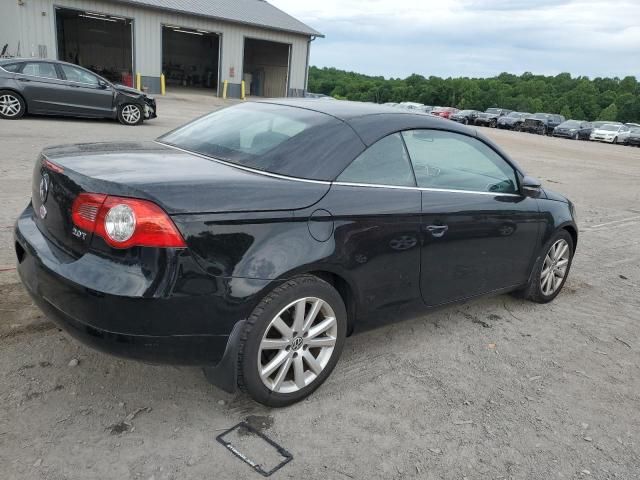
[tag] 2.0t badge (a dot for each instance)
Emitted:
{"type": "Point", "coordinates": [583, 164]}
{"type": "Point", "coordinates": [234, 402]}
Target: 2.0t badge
{"type": "Point", "coordinates": [44, 193]}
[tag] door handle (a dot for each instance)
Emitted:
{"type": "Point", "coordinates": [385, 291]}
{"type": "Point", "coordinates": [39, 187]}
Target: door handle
{"type": "Point", "coordinates": [23, 79]}
{"type": "Point", "coordinates": [437, 231]}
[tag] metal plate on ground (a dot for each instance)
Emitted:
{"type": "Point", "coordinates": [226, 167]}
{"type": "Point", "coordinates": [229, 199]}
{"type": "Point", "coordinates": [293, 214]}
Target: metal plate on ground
{"type": "Point", "coordinates": [255, 449]}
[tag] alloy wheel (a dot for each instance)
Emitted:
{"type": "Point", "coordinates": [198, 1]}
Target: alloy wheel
{"type": "Point", "coordinates": [297, 345]}
{"type": "Point", "coordinates": [131, 114]}
{"type": "Point", "coordinates": [9, 105]}
{"type": "Point", "coordinates": [554, 268]}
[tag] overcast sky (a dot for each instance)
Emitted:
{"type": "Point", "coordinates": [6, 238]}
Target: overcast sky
{"type": "Point", "coordinates": [476, 38]}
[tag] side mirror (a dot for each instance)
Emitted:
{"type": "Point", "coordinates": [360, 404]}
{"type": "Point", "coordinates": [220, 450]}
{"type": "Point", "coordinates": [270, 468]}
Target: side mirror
{"type": "Point", "coordinates": [531, 186]}
{"type": "Point", "coordinates": [102, 84]}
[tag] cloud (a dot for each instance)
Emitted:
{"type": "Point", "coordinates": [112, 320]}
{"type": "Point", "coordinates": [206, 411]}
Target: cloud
{"type": "Point", "coordinates": [474, 37]}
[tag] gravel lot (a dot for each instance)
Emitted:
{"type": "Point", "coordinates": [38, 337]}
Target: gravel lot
{"type": "Point", "coordinates": [497, 388]}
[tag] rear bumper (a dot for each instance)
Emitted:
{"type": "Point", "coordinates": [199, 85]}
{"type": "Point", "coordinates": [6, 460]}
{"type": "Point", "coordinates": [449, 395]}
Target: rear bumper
{"type": "Point", "coordinates": [157, 329]}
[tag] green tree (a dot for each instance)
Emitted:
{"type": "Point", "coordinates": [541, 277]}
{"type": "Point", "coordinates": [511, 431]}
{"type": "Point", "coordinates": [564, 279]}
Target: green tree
{"type": "Point", "coordinates": [577, 97]}
{"type": "Point", "coordinates": [610, 113]}
{"type": "Point", "coordinates": [566, 112]}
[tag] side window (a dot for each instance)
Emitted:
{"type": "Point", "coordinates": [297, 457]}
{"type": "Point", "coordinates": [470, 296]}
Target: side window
{"type": "Point", "coordinates": [75, 74]}
{"type": "Point", "coordinates": [12, 67]}
{"type": "Point", "coordinates": [383, 163]}
{"type": "Point", "coordinates": [453, 161]}
{"type": "Point", "coordinates": [39, 69]}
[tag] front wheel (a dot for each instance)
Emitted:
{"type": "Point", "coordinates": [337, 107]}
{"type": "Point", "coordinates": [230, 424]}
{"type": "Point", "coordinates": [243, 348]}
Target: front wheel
{"type": "Point", "coordinates": [130, 114]}
{"type": "Point", "coordinates": [292, 341]}
{"type": "Point", "coordinates": [493, 124]}
{"type": "Point", "coordinates": [552, 269]}
{"type": "Point", "coordinates": [12, 105]}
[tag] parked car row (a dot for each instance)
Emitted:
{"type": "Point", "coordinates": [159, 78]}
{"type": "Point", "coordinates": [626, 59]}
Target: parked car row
{"type": "Point", "coordinates": [538, 123]}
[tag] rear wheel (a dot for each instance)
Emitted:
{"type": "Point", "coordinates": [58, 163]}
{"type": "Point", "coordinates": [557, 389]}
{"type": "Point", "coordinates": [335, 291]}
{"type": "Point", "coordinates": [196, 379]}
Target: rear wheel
{"type": "Point", "coordinates": [552, 269]}
{"type": "Point", "coordinates": [292, 341]}
{"type": "Point", "coordinates": [130, 114]}
{"type": "Point", "coordinates": [576, 136]}
{"type": "Point", "coordinates": [12, 105]}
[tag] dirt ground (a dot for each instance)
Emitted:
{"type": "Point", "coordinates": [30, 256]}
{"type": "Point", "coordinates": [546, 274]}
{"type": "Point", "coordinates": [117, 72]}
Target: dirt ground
{"type": "Point", "coordinates": [495, 389]}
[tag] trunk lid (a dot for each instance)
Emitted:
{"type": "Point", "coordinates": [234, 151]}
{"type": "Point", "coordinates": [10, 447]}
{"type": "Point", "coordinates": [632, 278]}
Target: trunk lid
{"type": "Point", "coordinates": [177, 181]}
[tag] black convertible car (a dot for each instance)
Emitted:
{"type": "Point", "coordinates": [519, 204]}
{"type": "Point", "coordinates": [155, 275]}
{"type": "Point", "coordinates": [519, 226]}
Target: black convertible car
{"type": "Point", "coordinates": [253, 240]}
{"type": "Point", "coordinates": [48, 87]}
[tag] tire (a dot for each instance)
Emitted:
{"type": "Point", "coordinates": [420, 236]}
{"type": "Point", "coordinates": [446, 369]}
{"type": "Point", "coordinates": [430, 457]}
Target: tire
{"type": "Point", "coordinates": [291, 380]}
{"type": "Point", "coordinates": [466, 121]}
{"type": "Point", "coordinates": [493, 124]}
{"type": "Point", "coordinates": [615, 140]}
{"type": "Point", "coordinates": [12, 105]}
{"type": "Point", "coordinates": [517, 127]}
{"type": "Point", "coordinates": [127, 114]}
{"type": "Point", "coordinates": [535, 290]}
{"type": "Point", "coordinates": [576, 136]}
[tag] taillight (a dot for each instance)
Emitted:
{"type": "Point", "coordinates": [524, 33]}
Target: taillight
{"type": "Point", "coordinates": [125, 222]}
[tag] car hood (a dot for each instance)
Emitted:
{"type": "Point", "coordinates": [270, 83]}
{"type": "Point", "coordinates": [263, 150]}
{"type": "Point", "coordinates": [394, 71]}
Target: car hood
{"type": "Point", "coordinates": [178, 181]}
{"type": "Point", "coordinates": [128, 90]}
{"type": "Point", "coordinates": [551, 195]}
{"type": "Point", "coordinates": [605, 132]}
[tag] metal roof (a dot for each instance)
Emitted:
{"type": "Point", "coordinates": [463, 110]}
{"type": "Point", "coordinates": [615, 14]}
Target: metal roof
{"type": "Point", "coordinates": [258, 13]}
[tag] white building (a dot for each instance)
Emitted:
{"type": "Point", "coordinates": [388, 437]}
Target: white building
{"type": "Point", "coordinates": [194, 43]}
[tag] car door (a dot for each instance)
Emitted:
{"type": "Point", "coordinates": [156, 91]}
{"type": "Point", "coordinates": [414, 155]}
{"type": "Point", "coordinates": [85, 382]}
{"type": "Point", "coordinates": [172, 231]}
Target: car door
{"type": "Point", "coordinates": [479, 234]}
{"type": "Point", "coordinates": [376, 209]}
{"type": "Point", "coordinates": [41, 87]}
{"type": "Point", "coordinates": [86, 94]}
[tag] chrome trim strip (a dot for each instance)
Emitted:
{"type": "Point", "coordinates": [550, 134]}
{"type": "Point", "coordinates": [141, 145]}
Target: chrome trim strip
{"type": "Point", "coordinates": [247, 169]}
{"type": "Point", "coordinates": [323, 182]}
{"type": "Point", "coordinates": [426, 189]}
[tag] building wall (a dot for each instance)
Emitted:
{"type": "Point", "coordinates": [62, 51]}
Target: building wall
{"type": "Point", "coordinates": [33, 24]}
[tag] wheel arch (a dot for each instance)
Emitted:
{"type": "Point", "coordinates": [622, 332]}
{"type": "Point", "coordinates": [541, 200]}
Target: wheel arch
{"type": "Point", "coordinates": [573, 231]}
{"type": "Point", "coordinates": [346, 291]}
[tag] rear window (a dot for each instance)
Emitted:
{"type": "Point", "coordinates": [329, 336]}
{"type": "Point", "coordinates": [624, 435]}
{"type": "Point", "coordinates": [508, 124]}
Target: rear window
{"type": "Point", "coordinates": [275, 138]}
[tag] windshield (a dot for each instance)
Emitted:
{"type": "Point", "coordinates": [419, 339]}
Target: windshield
{"type": "Point", "coordinates": [571, 124]}
{"type": "Point", "coordinates": [493, 110]}
{"type": "Point", "coordinates": [610, 128]}
{"type": "Point", "coordinates": [275, 138]}
{"type": "Point", "coordinates": [441, 109]}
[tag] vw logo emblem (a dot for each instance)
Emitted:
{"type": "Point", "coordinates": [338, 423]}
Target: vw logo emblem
{"type": "Point", "coordinates": [297, 343]}
{"type": "Point", "coordinates": [44, 187]}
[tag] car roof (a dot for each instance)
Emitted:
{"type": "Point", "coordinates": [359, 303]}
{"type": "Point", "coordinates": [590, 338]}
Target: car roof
{"type": "Point", "coordinates": [372, 121]}
{"type": "Point", "coordinates": [6, 61]}
{"type": "Point", "coordinates": [343, 110]}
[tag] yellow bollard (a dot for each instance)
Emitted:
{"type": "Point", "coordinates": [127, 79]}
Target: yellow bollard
{"type": "Point", "coordinates": [224, 90]}
{"type": "Point", "coordinates": [138, 81]}
{"type": "Point", "coordinates": [162, 85]}
{"type": "Point", "coordinates": [242, 92]}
